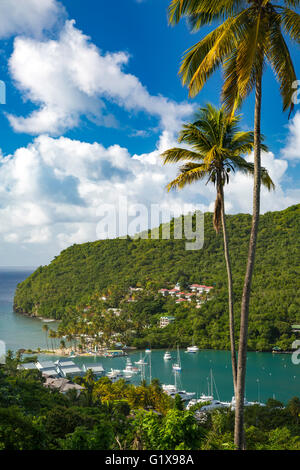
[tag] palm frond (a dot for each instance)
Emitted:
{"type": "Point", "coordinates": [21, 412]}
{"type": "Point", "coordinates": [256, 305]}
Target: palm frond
{"type": "Point", "coordinates": [188, 176]}
{"type": "Point", "coordinates": [291, 23]}
{"type": "Point", "coordinates": [204, 11]}
{"type": "Point", "coordinates": [200, 61]}
{"type": "Point", "coordinates": [248, 168]}
{"type": "Point", "coordinates": [281, 62]}
{"type": "Point", "coordinates": [177, 154]}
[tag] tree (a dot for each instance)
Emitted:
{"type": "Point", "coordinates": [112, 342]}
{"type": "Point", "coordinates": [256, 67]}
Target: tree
{"type": "Point", "coordinates": [45, 329]}
{"type": "Point", "coordinates": [217, 146]}
{"type": "Point", "coordinates": [251, 34]}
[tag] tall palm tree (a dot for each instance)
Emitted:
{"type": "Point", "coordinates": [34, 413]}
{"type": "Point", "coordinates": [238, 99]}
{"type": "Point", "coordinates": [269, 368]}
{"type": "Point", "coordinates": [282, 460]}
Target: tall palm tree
{"type": "Point", "coordinates": [45, 329]}
{"type": "Point", "coordinates": [217, 146]}
{"type": "Point", "coordinates": [251, 34]}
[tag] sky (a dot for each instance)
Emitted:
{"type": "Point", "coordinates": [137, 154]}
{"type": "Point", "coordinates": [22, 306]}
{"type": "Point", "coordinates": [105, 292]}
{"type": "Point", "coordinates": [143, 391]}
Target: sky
{"type": "Point", "coordinates": [93, 98]}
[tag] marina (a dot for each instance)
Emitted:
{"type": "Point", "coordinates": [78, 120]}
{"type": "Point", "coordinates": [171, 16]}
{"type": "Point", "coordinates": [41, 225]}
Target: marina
{"type": "Point", "coordinates": [268, 375]}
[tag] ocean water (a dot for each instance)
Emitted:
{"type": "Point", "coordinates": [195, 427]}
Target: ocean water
{"type": "Point", "coordinates": [268, 375]}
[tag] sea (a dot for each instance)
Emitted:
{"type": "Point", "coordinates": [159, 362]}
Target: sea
{"type": "Point", "coordinates": [268, 375]}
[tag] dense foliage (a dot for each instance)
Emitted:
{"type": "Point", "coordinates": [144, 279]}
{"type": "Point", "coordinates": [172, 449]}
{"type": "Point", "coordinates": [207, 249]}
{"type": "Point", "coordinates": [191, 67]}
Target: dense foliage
{"type": "Point", "coordinates": [111, 266]}
{"type": "Point", "coordinates": [122, 416]}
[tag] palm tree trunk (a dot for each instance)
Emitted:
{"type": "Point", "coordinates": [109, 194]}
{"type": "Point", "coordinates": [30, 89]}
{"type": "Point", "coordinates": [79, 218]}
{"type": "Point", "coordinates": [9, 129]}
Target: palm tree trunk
{"type": "Point", "coordinates": [230, 292]}
{"type": "Point", "coordinates": [242, 355]}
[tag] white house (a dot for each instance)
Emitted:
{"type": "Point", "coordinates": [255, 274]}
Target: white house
{"type": "Point", "coordinates": [165, 321]}
{"type": "Point", "coordinates": [97, 369]}
{"type": "Point", "coordinates": [47, 368]}
{"type": "Point", "coordinates": [67, 368]}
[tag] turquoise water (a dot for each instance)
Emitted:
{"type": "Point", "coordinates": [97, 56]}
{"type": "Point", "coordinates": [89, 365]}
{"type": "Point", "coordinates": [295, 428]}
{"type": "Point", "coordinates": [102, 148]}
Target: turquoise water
{"type": "Point", "coordinates": [268, 375]}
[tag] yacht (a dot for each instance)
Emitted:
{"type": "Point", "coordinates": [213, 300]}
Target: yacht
{"type": "Point", "coordinates": [114, 374]}
{"type": "Point", "coordinates": [130, 370]}
{"type": "Point", "coordinates": [177, 365]}
{"type": "Point", "coordinates": [172, 391]}
{"type": "Point", "coordinates": [192, 349]}
{"type": "Point", "coordinates": [167, 356]}
{"type": "Point", "coordinates": [246, 403]}
{"type": "Point", "coordinates": [141, 361]}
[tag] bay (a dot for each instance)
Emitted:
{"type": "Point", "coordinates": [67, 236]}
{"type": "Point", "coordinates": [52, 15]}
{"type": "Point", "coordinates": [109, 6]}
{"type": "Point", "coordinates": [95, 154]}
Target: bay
{"type": "Point", "coordinates": [268, 375]}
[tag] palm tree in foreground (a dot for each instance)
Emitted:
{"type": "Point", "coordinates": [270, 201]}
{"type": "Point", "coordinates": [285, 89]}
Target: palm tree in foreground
{"type": "Point", "coordinates": [251, 34]}
{"type": "Point", "coordinates": [217, 146]}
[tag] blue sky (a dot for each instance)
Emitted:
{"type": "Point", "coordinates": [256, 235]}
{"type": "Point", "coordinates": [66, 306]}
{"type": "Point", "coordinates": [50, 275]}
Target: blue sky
{"type": "Point", "coordinates": [93, 97]}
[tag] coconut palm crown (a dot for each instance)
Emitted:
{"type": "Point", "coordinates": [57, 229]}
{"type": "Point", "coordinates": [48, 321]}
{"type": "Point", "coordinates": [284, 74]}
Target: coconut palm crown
{"type": "Point", "coordinates": [251, 34]}
{"type": "Point", "coordinates": [216, 149]}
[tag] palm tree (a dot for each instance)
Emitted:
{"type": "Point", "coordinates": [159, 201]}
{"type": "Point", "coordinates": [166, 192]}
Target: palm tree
{"type": "Point", "coordinates": [217, 146]}
{"type": "Point", "coordinates": [251, 34]}
{"type": "Point", "coordinates": [45, 329]}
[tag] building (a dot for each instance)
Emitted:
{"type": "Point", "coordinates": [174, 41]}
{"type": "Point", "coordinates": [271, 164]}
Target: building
{"type": "Point", "coordinates": [62, 385]}
{"type": "Point", "coordinates": [97, 369]}
{"type": "Point", "coordinates": [47, 368]}
{"type": "Point", "coordinates": [67, 368]}
{"type": "Point", "coordinates": [164, 292]}
{"type": "Point", "coordinates": [28, 366]}
{"type": "Point", "coordinates": [296, 328]}
{"type": "Point", "coordinates": [165, 321]}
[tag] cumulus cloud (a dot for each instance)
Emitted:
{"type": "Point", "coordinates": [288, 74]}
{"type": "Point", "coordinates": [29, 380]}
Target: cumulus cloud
{"type": "Point", "coordinates": [292, 149]}
{"type": "Point", "coordinates": [71, 77]}
{"type": "Point", "coordinates": [52, 192]}
{"type": "Point", "coordinates": [28, 17]}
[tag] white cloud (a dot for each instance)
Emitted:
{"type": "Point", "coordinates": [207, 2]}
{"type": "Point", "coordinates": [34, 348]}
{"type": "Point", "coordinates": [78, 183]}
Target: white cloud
{"type": "Point", "coordinates": [292, 149]}
{"type": "Point", "coordinates": [70, 77]}
{"type": "Point", "coordinates": [28, 16]}
{"type": "Point", "coordinates": [52, 191]}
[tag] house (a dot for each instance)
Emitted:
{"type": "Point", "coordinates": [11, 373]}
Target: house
{"type": "Point", "coordinates": [62, 385]}
{"type": "Point", "coordinates": [97, 369]}
{"type": "Point", "coordinates": [47, 368]}
{"type": "Point", "coordinates": [164, 292]}
{"type": "Point", "coordinates": [67, 368]}
{"type": "Point", "coordinates": [179, 301]}
{"type": "Point", "coordinates": [27, 366]}
{"type": "Point", "coordinates": [116, 311]}
{"type": "Point", "coordinates": [165, 321]}
{"type": "Point", "coordinates": [296, 328]}
{"type": "Point", "coordinates": [135, 289]}
{"type": "Point", "coordinates": [177, 287]}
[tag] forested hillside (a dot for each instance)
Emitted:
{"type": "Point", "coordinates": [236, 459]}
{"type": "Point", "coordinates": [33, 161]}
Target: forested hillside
{"type": "Point", "coordinates": [82, 270]}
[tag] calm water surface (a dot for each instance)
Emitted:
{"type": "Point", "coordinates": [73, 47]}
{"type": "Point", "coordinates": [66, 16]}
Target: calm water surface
{"type": "Point", "coordinates": [268, 375]}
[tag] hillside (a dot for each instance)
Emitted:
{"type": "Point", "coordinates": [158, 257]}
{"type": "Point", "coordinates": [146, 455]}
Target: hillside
{"type": "Point", "coordinates": [82, 270]}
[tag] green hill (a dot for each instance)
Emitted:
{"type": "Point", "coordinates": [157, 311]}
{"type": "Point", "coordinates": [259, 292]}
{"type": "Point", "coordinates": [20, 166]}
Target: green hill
{"type": "Point", "coordinates": [82, 270]}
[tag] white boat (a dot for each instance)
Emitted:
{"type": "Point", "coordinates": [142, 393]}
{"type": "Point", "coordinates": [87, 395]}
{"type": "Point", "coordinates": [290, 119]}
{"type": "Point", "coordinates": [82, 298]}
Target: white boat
{"type": "Point", "coordinates": [114, 374]}
{"type": "Point", "coordinates": [246, 403]}
{"type": "Point", "coordinates": [141, 361]}
{"type": "Point", "coordinates": [147, 351]}
{"type": "Point", "coordinates": [172, 391]}
{"type": "Point", "coordinates": [177, 365]}
{"type": "Point", "coordinates": [167, 356]}
{"type": "Point", "coordinates": [215, 404]}
{"type": "Point", "coordinates": [130, 370]}
{"type": "Point", "coordinates": [192, 349]}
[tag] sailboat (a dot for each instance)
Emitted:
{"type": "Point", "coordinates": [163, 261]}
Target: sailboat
{"type": "Point", "coordinates": [177, 365]}
{"type": "Point", "coordinates": [167, 356]}
{"type": "Point", "coordinates": [173, 390]}
{"type": "Point", "coordinates": [141, 361]}
{"type": "Point", "coordinates": [192, 349]}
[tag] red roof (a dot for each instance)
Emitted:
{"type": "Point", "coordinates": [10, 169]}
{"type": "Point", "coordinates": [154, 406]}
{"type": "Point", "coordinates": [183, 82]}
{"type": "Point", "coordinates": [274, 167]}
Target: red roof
{"type": "Point", "coordinates": [181, 300]}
